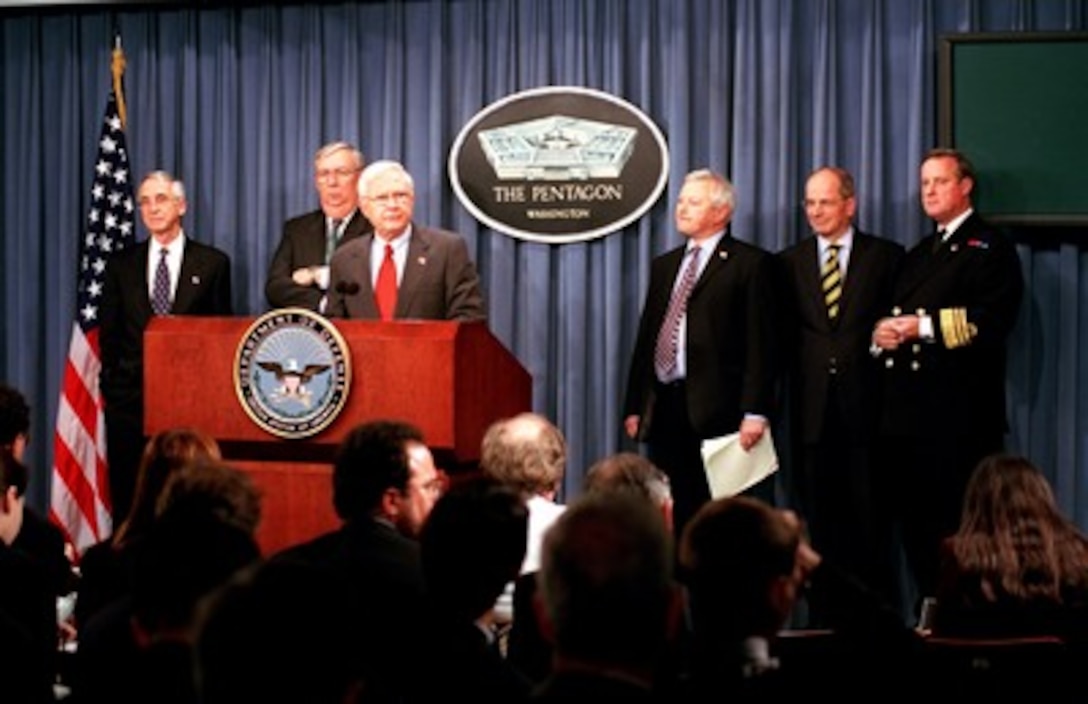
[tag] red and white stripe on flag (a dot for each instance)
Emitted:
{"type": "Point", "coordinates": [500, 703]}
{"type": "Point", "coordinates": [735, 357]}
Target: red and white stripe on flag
{"type": "Point", "coordinates": [79, 501]}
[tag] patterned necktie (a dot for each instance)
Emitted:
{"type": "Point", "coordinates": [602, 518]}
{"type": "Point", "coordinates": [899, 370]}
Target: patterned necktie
{"type": "Point", "coordinates": [385, 293]}
{"type": "Point", "coordinates": [668, 337]}
{"type": "Point", "coordinates": [831, 281]}
{"type": "Point", "coordinates": [160, 299]}
{"type": "Point", "coordinates": [332, 237]}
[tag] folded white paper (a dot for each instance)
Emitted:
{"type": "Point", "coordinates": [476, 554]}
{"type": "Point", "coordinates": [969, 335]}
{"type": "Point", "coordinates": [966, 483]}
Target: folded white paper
{"type": "Point", "coordinates": [730, 470]}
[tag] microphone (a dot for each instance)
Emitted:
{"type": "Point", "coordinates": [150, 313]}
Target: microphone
{"type": "Point", "coordinates": [348, 288]}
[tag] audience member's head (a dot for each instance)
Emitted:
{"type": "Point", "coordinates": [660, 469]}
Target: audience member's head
{"type": "Point", "coordinates": [209, 490]}
{"type": "Point", "coordinates": [165, 453]}
{"type": "Point", "coordinates": [1013, 535]}
{"type": "Point", "coordinates": [472, 544]}
{"type": "Point", "coordinates": [13, 478]}
{"type": "Point", "coordinates": [527, 452]}
{"type": "Point", "coordinates": [274, 632]}
{"type": "Point", "coordinates": [204, 532]}
{"type": "Point", "coordinates": [631, 473]}
{"type": "Point", "coordinates": [14, 421]}
{"type": "Point", "coordinates": [606, 584]}
{"type": "Point", "coordinates": [384, 470]}
{"type": "Point", "coordinates": [745, 564]}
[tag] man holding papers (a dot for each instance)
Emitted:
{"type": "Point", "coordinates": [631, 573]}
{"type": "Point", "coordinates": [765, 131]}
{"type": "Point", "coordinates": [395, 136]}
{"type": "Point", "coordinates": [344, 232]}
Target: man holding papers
{"type": "Point", "coordinates": [704, 359]}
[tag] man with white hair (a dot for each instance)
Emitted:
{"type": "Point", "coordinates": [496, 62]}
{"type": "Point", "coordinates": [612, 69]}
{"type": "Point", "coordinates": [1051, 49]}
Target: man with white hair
{"type": "Point", "coordinates": [403, 270]}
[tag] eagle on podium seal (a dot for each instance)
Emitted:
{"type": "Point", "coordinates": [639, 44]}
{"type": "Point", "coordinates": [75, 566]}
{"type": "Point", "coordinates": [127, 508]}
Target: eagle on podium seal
{"type": "Point", "coordinates": [292, 372]}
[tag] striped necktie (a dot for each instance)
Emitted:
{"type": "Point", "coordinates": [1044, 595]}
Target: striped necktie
{"type": "Point", "coordinates": [332, 237]}
{"type": "Point", "coordinates": [831, 281]}
{"type": "Point", "coordinates": [668, 337]}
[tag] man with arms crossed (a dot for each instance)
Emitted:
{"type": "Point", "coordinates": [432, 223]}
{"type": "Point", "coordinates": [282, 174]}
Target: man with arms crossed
{"type": "Point", "coordinates": [299, 273]}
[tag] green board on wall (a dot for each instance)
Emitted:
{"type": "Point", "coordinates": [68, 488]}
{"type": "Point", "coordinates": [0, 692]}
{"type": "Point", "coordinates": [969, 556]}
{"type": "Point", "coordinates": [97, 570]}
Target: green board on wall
{"type": "Point", "coordinates": [1017, 105]}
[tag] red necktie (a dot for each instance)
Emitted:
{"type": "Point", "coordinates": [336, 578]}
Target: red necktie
{"type": "Point", "coordinates": [385, 293]}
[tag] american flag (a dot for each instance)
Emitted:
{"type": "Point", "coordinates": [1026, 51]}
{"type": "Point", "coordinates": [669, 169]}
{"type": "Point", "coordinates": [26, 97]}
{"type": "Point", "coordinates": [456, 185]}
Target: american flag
{"type": "Point", "coordinates": [80, 502]}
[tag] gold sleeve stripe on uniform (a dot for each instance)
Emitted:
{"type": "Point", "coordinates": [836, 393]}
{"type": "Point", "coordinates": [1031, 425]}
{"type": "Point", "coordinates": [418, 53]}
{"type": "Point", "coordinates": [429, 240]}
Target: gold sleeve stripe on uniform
{"type": "Point", "coordinates": [955, 329]}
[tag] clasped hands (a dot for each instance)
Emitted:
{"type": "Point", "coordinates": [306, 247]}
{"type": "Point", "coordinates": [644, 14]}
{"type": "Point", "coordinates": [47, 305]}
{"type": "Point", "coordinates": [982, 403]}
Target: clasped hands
{"type": "Point", "coordinates": [312, 275]}
{"type": "Point", "coordinates": [892, 332]}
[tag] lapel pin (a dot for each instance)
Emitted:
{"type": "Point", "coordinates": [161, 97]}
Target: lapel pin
{"type": "Point", "coordinates": [723, 255]}
{"type": "Point", "coordinates": [954, 248]}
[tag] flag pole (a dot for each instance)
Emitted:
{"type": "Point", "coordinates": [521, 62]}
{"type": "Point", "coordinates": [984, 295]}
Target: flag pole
{"type": "Point", "coordinates": [118, 68]}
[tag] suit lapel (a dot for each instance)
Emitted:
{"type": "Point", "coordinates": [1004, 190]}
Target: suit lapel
{"type": "Point", "coordinates": [857, 269]}
{"type": "Point", "coordinates": [190, 279]}
{"type": "Point", "coordinates": [357, 227]}
{"type": "Point", "coordinates": [925, 261]}
{"type": "Point", "coordinates": [812, 293]}
{"type": "Point", "coordinates": [719, 258]}
{"type": "Point", "coordinates": [143, 299]}
{"type": "Point", "coordinates": [419, 245]}
{"type": "Point", "coordinates": [360, 262]}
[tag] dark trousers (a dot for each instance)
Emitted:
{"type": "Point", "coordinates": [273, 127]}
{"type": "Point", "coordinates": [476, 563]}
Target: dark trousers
{"type": "Point", "coordinates": [929, 478]}
{"type": "Point", "coordinates": [844, 508]}
{"type": "Point", "coordinates": [124, 447]}
{"type": "Point", "coordinates": [675, 447]}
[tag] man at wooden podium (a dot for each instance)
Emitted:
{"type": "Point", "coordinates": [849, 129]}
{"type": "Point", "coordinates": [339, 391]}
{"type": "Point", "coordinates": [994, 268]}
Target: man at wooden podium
{"type": "Point", "coordinates": [402, 271]}
{"type": "Point", "coordinates": [166, 274]}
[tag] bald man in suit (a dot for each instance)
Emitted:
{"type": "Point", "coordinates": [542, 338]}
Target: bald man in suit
{"type": "Point", "coordinates": [431, 274]}
{"type": "Point", "coordinates": [197, 283]}
{"type": "Point", "coordinates": [834, 380]}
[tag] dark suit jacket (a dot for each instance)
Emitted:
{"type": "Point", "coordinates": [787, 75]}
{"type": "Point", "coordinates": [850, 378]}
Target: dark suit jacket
{"type": "Point", "coordinates": [303, 244]}
{"type": "Point", "coordinates": [439, 283]}
{"type": "Point", "coordinates": [932, 389]}
{"type": "Point", "coordinates": [818, 349]}
{"type": "Point", "coordinates": [43, 541]}
{"type": "Point", "coordinates": [382, 570]}
{"type": "Point", "coordinates": [28, 627]}
{"type": "Point", "coordinates": [731, 345]}
{"type": "Point", "coordinates": [586, 686]}
{"type": "Point", "coordinates": [203, 289]}
{"type": "Point", "coordinates": [463, 665]}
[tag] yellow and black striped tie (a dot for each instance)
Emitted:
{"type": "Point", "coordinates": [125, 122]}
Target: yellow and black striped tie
{"type": "Point", "coordinates": [831, 281]}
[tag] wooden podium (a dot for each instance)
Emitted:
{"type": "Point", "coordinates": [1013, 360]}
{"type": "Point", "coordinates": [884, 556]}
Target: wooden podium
{"type": "Point", "coordinates": [450, 379]}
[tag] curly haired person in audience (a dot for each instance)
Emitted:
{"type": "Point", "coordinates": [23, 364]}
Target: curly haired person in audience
{"type": "Point", "coordinates": [1016, 566]}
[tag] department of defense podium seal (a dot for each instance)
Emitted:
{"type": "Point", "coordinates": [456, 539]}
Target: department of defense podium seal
{"type": "Point", "coordinates": [292, 372]}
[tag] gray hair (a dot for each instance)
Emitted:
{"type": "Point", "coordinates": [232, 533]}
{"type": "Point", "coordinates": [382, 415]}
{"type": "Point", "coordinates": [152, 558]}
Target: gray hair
{"type": "Point", "coordinates": [380, 168]}
{"type": "Point", "coordinates": [177, 188]}
{"type": "Point", "coordinates": [721, 188]}
{"type": "Point", "coordinates": [333, 147]}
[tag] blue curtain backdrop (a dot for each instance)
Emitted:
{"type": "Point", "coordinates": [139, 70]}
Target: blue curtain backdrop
{"type": "Point", "coordinates": [236, 100]}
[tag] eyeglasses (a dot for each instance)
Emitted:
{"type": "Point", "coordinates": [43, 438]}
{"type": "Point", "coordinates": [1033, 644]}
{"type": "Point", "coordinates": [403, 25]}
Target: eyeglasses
{"type": "Point", "coordinates": [384, 199]}
{"type": "Point", "coordinates": [334, 174]}
{"type": "Point", "coordinates": [810, 204]}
